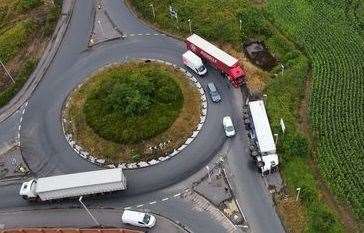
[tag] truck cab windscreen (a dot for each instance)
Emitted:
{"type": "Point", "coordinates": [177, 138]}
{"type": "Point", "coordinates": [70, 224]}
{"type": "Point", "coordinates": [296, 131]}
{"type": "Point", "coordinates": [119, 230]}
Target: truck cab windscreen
{"type": "Point", "coordinates": [201, 68]}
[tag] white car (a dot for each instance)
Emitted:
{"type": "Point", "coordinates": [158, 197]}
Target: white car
{"type": "Point", "coordinates": [228, 126]}
{"type": "Point", "coordinates": [138, 219]}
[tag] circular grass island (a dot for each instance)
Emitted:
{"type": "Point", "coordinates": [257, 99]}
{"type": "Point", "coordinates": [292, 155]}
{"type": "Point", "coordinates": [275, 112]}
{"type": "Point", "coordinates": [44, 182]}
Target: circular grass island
{"type": "Point", "coordinates": [133, 112]}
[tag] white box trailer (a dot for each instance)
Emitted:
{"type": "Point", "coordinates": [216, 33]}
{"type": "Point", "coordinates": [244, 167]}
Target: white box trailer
{"type": "Point", "coordinates": [267, 159]}
{"type": "Point", "coordinates": [74, 185]}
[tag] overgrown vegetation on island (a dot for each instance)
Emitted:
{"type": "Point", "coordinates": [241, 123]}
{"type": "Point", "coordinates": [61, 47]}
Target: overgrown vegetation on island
{"type": "Point", "coordinates": [25, 27]}
{"type": "Point", "coordinates": [319, 43]}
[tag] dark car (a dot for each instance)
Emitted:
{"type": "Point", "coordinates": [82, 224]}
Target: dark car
{"type": "Point", "coordinates": [214, 94]}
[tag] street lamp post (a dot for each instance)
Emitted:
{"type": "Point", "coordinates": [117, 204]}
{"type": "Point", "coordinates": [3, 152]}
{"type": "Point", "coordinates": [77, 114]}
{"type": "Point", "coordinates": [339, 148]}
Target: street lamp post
{"type": "Point", "coordinates": [190, 25]}
{"type": "Point", "coordinates": [88, 211]}
{"type": "Point", "coordinates": [276, 136]}
{"type": "Point", "coordinates": [7, 72]}
{"type": "Point", "coordinates": [153, 11]}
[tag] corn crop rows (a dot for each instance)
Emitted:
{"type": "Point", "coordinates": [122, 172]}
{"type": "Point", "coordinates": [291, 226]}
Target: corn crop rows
{"type": "Point", "coordinates": [336, 51]}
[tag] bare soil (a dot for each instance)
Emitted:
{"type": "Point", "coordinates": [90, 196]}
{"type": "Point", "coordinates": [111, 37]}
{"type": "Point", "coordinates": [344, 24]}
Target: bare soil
{"type": "Point", "coordinates": [154, 148]}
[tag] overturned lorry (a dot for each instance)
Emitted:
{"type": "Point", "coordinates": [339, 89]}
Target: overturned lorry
{"type": "Point", "coordinates": [262, 145]}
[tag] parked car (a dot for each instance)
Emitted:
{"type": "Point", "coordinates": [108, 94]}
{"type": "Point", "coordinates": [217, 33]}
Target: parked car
{"type": "Point", "coordinates": [138, 219]}
{"type": "Point", "coordinates": [228, 126]}
{"type": "Point", "coordinates": [214, 94]}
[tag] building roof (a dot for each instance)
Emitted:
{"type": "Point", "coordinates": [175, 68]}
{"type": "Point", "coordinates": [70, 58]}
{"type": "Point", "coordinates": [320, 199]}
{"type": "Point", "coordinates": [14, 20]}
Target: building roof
{"type": "Point", "coordinates": [212, 50]}
{"type": "Point", "coordinates": [53, 183]}
{"type": "Point", "coordinates": [262, 127]}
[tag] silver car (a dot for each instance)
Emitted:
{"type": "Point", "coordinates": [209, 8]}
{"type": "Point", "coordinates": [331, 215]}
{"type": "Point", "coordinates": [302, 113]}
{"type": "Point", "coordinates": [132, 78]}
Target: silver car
{"type": "Point", "coordinates": [214, 94]}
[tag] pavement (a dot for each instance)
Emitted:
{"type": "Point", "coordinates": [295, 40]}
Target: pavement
{"type": "Point", "coordinates": [62, 218]}
{"type": "Point", "coordinates": [46, 151]}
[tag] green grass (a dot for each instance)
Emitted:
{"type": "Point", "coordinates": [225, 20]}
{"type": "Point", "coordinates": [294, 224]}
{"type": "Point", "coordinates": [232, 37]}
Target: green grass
{"type": "Point", "coordinates": [129, 105]}
{"type": "Point", "coordinates": [14, 38]}
{"type": "Point", "coordinates": [336, 50]}
{"type": "Point", "coordinates": [22, 77]}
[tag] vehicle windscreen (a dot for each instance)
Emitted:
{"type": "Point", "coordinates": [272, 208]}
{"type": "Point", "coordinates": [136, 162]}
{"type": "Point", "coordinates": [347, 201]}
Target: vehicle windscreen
{"type": "Point", "coordinates": [201, 68]}
{"type": "Point", "coordinates": [229, 128]}
{"type": "Point", "coordinates": [146, 218]}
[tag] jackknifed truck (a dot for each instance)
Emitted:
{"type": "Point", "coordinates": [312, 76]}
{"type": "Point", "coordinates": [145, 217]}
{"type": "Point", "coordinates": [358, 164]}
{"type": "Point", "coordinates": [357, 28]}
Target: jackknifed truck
{"type": "Point", "coordinates": [220, 60]}
{"type": "Point", "coordinates": [73, 185]}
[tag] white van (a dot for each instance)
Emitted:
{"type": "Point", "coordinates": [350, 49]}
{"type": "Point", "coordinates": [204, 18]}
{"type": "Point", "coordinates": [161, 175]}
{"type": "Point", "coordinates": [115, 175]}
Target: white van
{"type": "Point", "coordinates": [138, 219]}
{"type": "Point", "coordinates": [194, 62]}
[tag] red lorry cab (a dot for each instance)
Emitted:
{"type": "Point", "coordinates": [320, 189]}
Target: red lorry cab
{"type": "Point", "coordinates": [219, 59]}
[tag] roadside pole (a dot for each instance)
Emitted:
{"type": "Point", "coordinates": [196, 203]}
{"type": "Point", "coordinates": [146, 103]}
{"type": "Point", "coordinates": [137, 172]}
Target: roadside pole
{"type": "Point", "coordinates": [88, 211]}
{"type": "Point", "coordinates": [153, 11]}
{"type": "Point", "coordinates": [7, 72]}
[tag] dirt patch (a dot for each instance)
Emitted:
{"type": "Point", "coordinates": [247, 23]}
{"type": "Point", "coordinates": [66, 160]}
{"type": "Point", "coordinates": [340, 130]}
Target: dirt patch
{"type": "Point", "coordinates": [257, 78]}
{"type": "Point", "coordinates": [259, 55]}
{"type": "Point", "coordinates": [292, 213]}
{"type": "Point", "coordinates": [154, 148]}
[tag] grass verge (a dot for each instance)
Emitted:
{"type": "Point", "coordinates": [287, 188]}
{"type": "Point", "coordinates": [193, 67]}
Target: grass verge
{"type": "Point", "coordinates": [148, 149]}
{"type": "Point", "coordinates": [25, 28]}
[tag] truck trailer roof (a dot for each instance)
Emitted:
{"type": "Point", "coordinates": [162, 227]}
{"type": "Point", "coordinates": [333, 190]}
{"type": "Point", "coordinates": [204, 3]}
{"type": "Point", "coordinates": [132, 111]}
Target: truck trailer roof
{"type": "Point", "coordinates": [262, 127]}
{"type": "Point", "coordinates": [83, 179]}
{"type": "Point", "coordinates": [212, 50]}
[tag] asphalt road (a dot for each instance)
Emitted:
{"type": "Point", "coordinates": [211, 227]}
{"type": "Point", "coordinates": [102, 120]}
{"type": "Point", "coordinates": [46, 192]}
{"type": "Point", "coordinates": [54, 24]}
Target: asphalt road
{"type": "Point", "coordinates": [48, 153]}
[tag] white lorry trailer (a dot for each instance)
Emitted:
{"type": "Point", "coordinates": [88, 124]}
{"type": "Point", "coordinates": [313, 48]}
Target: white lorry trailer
{"type": "Point", "coordinates": [266, 156]}
{"type": "Point", "coordinates": [73, 185]}
{"type": "Point", "coordinates": [194, 62]}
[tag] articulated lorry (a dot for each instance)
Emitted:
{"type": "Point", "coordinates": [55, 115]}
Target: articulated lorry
{"type": "Point", "coordinates": [264, 147]}
{"type": "Point", "coordinates": [73, 185]}
{"type": "Point", "coordinates": [220, 60]}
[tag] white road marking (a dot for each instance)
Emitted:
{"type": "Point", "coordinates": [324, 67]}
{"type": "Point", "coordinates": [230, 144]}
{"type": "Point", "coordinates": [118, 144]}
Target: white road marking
{"type": "Point", "coordinates": [26, 104]}
{"type": "Point", "coordinates": [177, 195]}
{"type": "Point", "coordinates": [23, 111]}
{"type": "Point", "coordinates": [138, 206]}
{"type": "Point", "coordinates": [147, 34]}
{"type": "Point", "coordinates": [19, 127]}
{"type": "Point", "coordinates": [140, 34]}
{"type": "Point", "coordinates": [18, 135]}
{"type": "Point", "coordinates": [165, 199]}
{"type": "Point", "coordinates": [152, 203]}
{"type": "Point", "coordinates": [156, 34]}
{"type": "Point", "coordinates": [131, 34]}
{"type": "Point", "coordinates": [127, 208]}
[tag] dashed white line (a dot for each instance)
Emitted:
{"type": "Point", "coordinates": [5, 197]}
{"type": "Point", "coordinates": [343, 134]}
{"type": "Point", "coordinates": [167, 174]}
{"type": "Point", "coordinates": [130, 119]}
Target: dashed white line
{"type": "Point", "coordinates": [18, 135]}
{"type": "Point", "coordinates": [19, 127]}
{"type": "Point", "coordinates": [26, 104]}
{"type": "Point", "coordinates": [147, 34]}
{"type": "Point", "coordinates": [127, 208]}
{"type": "Point", "coordinates": [131, 34]}
{"type": "Point", "coordinates": [152, 203]}
{"type": "Point", "coordinates": [141, 205]}
{"type": "Point", "coordinates": [177, 195]}
{"type": "Point", "coordinates": [140, 34]}
{"type": "Point", "coordinates": [21, 119]}
{"type": "Point", "coordinates": [165, 199]}
{"type": "Point", "coordinates": [23, 111]}
{"type": "Point", "coordinates": [156, 34]}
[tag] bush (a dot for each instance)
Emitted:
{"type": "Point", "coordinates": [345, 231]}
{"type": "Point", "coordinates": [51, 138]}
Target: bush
{"type": "Point", "coordinates": [132, 104]}
{"type": "Point", "coordinates": [52, 17]}
{"type": "Point", "coordinates": [323, 221]}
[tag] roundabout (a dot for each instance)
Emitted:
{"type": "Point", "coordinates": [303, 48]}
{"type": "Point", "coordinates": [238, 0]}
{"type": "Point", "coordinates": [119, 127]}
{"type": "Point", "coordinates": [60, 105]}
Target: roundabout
{"type": "Point", "coordinates": [49, 149]}
{"type": "Point", "coordinates": [177, 90]}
